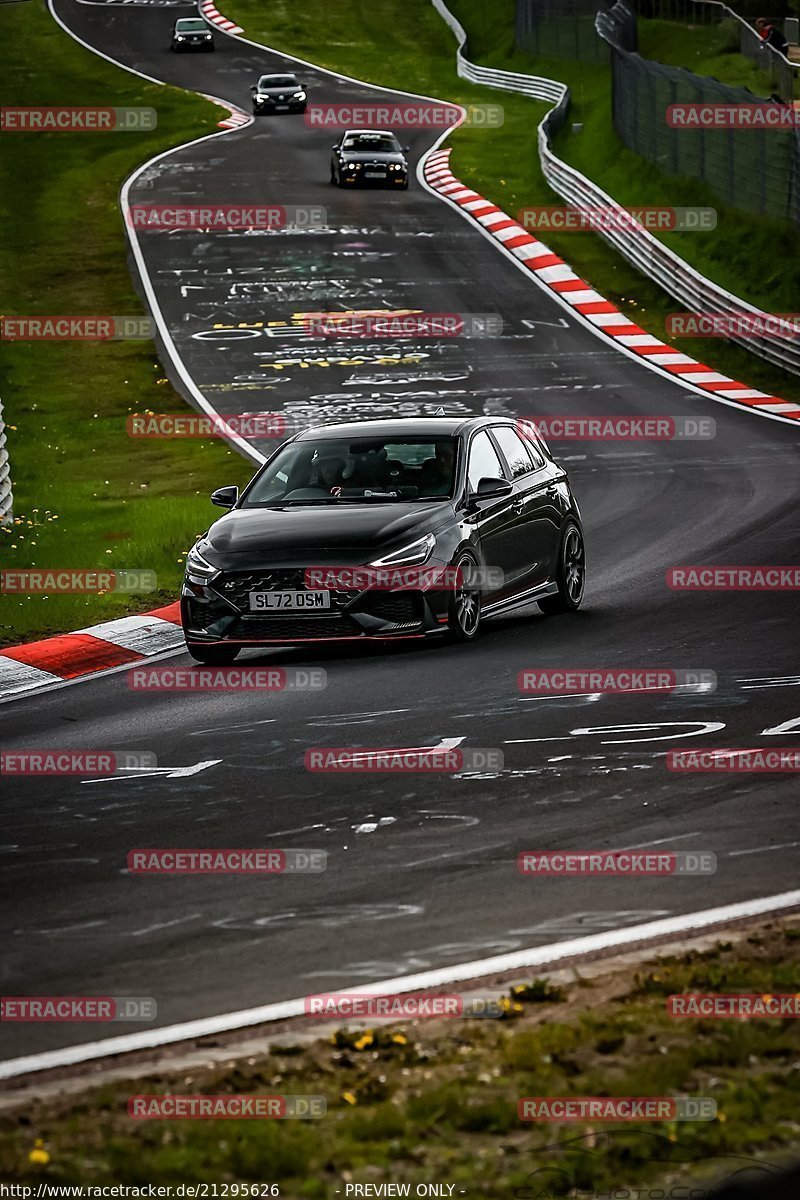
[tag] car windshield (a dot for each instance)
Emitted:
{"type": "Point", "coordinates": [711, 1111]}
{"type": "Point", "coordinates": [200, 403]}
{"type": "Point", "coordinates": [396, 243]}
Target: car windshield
{"type": "Point", "coordinates": [385, 143]}
{"type": "Point", "coordinates": [188, 25]}
{"type": "Point", "coordinates": [339, 470]}
{"type": "Point", "coordinates": [277, 81]}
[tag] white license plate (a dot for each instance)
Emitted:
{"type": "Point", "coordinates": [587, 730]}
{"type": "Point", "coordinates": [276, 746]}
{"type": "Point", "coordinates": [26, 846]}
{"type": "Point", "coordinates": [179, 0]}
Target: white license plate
{"type": "Point", "coordinates": [281, 107]}
{"type": "Point", "coordinates": [374, 174]}
{"type": "Point", "coordinates": [292, 601]}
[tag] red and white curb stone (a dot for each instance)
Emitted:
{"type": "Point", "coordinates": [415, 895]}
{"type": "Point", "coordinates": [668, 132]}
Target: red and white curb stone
{"type": "Point", "coordinates": [553, 271]}
{"type": "Point", "coordinates": [103, 647]}
{"type": "Point", "coordinates": [214, 17]}
{"type": "Point", "coordinates": [236, 119]}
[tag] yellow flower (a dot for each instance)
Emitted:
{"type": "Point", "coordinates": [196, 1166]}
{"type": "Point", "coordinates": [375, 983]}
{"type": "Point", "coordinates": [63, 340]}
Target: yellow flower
{"type": "Point", "coordinates": [366, 1040]}
{"type": "Point", "coordinates": [399, 1039]}
{"type": "Point", "coordinates": [349, 1097]}
{"type": "Point", "coordinates": [38, 1154]}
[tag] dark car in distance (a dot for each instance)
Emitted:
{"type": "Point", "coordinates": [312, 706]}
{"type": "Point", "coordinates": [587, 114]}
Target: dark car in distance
{"type": "Point", "coordinates": [369, 156]}
{"type": "Point", "coordinates": [382, 530]}
{"type": "Point", "coordinates": [191, 33]}
{"type": "Point", "coordinates": [278, 93]}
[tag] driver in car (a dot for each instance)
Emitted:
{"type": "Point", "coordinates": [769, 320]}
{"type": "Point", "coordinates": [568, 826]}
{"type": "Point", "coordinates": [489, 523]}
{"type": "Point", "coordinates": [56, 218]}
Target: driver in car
{"type": "Point", "coordinates": [436, 475]}
{"type": "Point", "coordinates": [330, 471]}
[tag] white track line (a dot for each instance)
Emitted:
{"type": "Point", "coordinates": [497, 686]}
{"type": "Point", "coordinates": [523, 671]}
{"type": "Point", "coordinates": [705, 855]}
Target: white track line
{"type": "Point", "coordinates": [459, 972]}
{"type": "Point", "coordinates": [234, 439]}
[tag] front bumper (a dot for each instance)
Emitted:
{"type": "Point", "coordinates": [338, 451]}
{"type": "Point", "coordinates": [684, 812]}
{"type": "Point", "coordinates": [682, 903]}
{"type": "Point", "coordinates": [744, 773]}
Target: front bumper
{"type": "Point", "coordinates": [218, 613]}
{"type": "Point", "coordinates": [390, 179]}
{"type": "Point", "coordinates": [261, 107]}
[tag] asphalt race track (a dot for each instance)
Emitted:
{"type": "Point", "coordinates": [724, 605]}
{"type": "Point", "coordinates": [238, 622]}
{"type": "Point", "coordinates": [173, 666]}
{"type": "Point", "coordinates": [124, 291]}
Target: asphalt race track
{"type": "Point", "coordinates": [421, 868]}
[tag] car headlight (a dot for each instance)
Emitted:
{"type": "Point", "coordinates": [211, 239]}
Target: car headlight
{"type": "Point", "coordinates": [299, 96]}
{"type": "Point", "coordinates": [351, 166]}
{"type": "Point", "coordinates": [412, 555]}
{"type": "Point", "coordinates": [395, 167]}
{"type": "Point", "coordinates": [180, 38]}
{"type": "Point", "coordinates": [198, 568]}
{"type": "Point", "coordinates": [207, 37]}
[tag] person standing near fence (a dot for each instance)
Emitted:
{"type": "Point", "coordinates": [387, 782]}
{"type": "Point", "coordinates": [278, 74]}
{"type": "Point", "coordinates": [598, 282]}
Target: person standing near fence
{"type": "Point", "coordinates": [771, 36]}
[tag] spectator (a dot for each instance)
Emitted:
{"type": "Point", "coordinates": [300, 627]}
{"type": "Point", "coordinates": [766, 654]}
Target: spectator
{"type": "Point", "coordinates": [771, 36]}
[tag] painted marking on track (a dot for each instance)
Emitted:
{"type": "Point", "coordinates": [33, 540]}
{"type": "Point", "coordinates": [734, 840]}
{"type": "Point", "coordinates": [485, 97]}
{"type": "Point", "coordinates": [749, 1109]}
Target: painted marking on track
{"type": "Point", "coordinates": [703, 728]}
{"type": "Point", "coordinates": [762, 849]}
{"type": "Point", "coordinates": [165, 772]}
{"type": "Point", "coordinates": [525, 959]}
{"type": "Point", "coordinates": [657, 842]}
{"type": "Point", "coordinates": [790, 726]}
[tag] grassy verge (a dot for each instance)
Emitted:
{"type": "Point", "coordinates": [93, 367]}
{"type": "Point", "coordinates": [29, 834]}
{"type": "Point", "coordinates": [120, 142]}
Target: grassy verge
{"type": "Point", "coordinates": [437, 1100]}
{"type": "Point", "coordinates": [405, 44]}
{"type": "Point", "coordinates": [704, 49]}
{"type": "Point", "coordinates": [86, 496]}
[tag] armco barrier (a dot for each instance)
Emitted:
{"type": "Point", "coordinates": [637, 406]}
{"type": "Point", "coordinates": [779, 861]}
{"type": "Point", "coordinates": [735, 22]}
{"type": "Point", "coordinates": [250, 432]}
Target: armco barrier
{"type": "Point", "coordinates": [6, 499]}
{"type": "Point", "coordinates": [636, 245]}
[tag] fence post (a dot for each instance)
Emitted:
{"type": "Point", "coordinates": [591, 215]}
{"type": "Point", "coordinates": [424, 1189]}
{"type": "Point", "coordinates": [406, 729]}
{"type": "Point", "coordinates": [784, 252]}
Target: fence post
{"type": "Point", "coordinates": [6, 499]}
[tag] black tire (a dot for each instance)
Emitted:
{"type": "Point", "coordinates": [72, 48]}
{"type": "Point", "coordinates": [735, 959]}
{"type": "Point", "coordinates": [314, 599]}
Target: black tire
{"type": "Point", "coordinates": [213, 656]}
{"type": "Point", "coordinates": [464, 610]}
{"type": "Point", "coordinates": [333, 177]}
{"type": "Point", "coordinates": [570, 574]}
{"type": "Point", "coordinates": [404, 186]}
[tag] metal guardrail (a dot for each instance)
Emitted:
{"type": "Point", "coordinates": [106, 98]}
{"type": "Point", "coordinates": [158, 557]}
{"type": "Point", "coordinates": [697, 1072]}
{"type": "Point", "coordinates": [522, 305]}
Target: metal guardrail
{"type": "Point", "coordinates": [6, 499]}
{"type": "Point", "coordinates": [530, 85]}
{"type": "Point", "coordinates": [636, 245]}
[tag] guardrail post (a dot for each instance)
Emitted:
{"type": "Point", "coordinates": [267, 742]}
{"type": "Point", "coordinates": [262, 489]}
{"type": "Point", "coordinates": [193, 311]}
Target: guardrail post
{"type": "Point", "coordinates": [6, 499]}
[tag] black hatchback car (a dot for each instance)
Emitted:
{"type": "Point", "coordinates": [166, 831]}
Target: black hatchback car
{"type": "Point", "coordinates": [191, 33]}
{"type": "Point", "coordinates": [385, 529]}
{"type": "Point", "coordinates": [278, 93]}
{"type": "Point", "coordinates": [369, 156]}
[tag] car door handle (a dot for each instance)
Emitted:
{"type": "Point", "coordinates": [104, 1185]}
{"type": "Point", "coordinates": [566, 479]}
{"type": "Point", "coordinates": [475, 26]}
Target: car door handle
{"type": "Point", "coordinates": [517, 505]}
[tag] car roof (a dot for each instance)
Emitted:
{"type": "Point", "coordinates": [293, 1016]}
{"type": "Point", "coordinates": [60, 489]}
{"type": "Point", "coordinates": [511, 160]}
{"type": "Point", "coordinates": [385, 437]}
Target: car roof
{"type": "Point", "coordinates": [358, 132]}
{"type": "Point", "coordinates": [412, 426]}
{"type": "Point", "coordinates": [279, 75]}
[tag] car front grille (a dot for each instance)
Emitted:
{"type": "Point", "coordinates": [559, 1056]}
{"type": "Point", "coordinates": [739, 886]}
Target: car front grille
{"type": "Point", "coordinates": [292, 628]}
{"type": "Point", "coordinates": [236, 586]}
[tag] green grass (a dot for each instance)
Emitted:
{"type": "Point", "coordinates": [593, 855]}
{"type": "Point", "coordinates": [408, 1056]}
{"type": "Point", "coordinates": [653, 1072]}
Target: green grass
{"type": "Point", "coordinates": [705, 50]}
{"type": "Point", "coordinates": [404, 44]}
{"type": "Point", "coordinates": [86, 495]}
{"type": "Point", "coordinates": [437, 1100]}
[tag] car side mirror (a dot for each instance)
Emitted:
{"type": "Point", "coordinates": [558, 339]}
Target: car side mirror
{"type": "Point", "coordinates": [491, 487]}
{"type": "Point", "coordinates": [225, 497]}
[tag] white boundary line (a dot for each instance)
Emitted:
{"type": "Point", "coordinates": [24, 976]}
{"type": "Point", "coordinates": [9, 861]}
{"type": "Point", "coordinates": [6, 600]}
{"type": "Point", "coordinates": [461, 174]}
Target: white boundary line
{"type": "Point", "coordinates": [234, 439]}
{"type": "Point", "coordinates": [460, 972]}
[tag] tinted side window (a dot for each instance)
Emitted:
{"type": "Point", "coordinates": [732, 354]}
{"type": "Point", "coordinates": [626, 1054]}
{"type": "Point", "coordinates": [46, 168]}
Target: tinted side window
{"type": "Point", "coordinates": [483, 461]}
{"type": "Point", "coordinates": [517, 452]}
{"type": "Point", "coordinates": [529, 442]}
